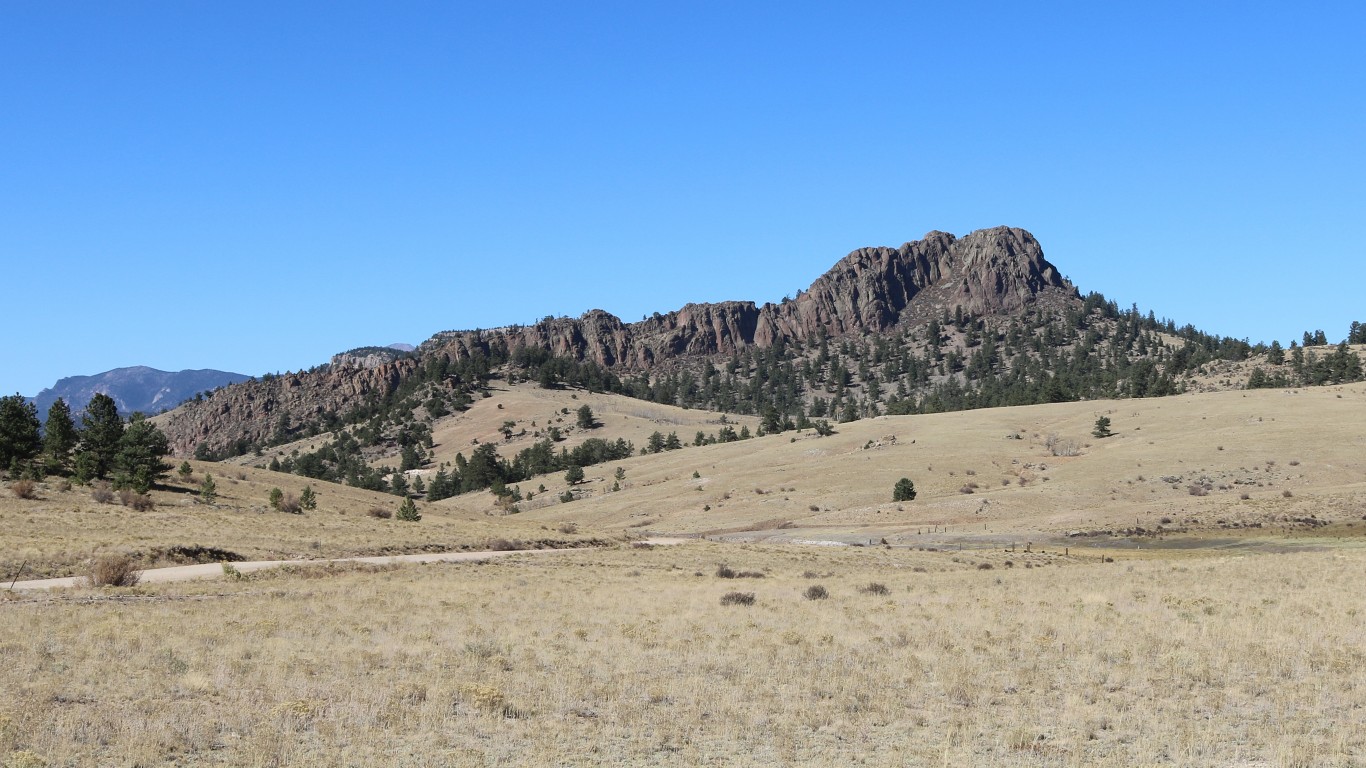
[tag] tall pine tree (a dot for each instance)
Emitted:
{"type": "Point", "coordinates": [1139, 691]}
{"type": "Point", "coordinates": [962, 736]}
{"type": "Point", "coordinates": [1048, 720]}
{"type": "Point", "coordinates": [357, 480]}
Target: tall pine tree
{"type": "Point", "coordinates": [20, 439]}
{"type": "Point", "coordinates": [59, 438]}
{"type": "Point", "coordinates": [102, 429]}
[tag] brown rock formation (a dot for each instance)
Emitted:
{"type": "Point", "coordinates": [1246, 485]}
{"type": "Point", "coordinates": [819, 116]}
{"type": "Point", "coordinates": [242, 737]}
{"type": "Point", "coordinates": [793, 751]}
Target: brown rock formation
{"type": "Point", "coordinates": [872, 290]}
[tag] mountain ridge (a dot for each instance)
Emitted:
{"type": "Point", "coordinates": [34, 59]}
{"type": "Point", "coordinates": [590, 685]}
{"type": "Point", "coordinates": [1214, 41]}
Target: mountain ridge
{"type": "Point", "coordinates": [135, 388]}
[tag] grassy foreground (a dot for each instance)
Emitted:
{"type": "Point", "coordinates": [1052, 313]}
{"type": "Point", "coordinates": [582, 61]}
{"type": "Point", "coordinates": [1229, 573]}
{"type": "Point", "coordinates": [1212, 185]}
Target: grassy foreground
{"type": "Point", "coordinates": [628, 656]}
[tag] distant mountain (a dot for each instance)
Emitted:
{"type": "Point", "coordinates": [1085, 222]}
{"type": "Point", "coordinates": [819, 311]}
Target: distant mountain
{"type": "Point", "coordinates": [135, 389]}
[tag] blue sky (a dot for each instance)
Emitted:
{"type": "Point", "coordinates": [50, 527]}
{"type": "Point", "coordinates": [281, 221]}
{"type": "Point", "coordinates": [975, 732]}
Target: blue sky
{"type": "Point", "coordinates": [255, 186]}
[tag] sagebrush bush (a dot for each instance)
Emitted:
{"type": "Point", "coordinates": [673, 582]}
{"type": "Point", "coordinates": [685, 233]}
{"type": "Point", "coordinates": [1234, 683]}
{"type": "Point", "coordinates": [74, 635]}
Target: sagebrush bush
{"type": "Point", "coordinates": [815, 592]}
{"type": "Point", "coordinates": [502, 545]}
{"type": "Point", "coordinates": [114, 571]}
{"type": "Point", "coordinates": [24, 489]}
{"type": "Point", "coordinates": [737, 598]}
{"type": "Point", "coordinates": [101, 493]}
{"type": "Point", "coordinates": [875, 588]}
{"type": "Point", "coordinates": [290, 503]}
{"type": "Point", "coordinates": [380, 513]}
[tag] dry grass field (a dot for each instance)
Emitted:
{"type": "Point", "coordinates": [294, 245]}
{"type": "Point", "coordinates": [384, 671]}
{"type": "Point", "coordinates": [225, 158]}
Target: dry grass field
{"type": "Point", "coordinates": [1026, 623]}
{"type": "Point", "coordinates": [630, 657]}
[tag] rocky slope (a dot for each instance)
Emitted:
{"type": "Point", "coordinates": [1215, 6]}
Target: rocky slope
{"type": "Point", "coordinates": [988, 272]}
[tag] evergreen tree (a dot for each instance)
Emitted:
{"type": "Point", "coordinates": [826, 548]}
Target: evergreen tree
{"type": "Point", "coordinates": [138, 464]}
{"type": "Point", "coordinates": [1274, 354]}
{"type": "Point", "coordinates": [1102, 428]}
{"type": "Point", "coordinates": [59, 437]}
{"type": "Point", "coordinates": [904, 490]}
{"type": "Point", "coordinates": [208, 490]}
{"type": "Point", "coordinates": [308, 499]}
{"type": "Point", "coordinates": [398, 484]}
{"type": "Point", "coordinates": [185, 471]}
{"type": "Point", "coordinates": [407, 511]}
{"type": "Point", "coordinates": [574, 476]}
{"type": "Point", "coordinates": [277, 497]}
{"type": "Point", "coordinates": [101, 431]}
{"type": "Point", "coordinates": [585, 418]}
{"type": "Point", "coordinates": [20, 440]}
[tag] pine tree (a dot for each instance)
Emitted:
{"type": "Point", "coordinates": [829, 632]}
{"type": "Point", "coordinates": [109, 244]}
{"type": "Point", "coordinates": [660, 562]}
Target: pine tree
{"type": "Point", "coordinates": [59, 438]}
{"type": "Point", "coordinates": [1102, 428]}
{"type": "Point", "coordinates": [20, 440]}
{"type": "Point", "coordinates": [138, 463]}
{"type": "Point", "coordinates": [101, 431]}
{"type": "Point", "coordinates": [585, 417]}
{"type": "Point", "coordinates": [574, 476]}
{"type": "Point", "coordinates": [185, 471]}
{"type": "Point", "coordinates": [208, 490]}
{"type": "Point", "coordinates": [308, 499]}
{"type": "Point", "coordinates": [904, 490]}
{"type": "Point", "coordinates": [407, 511]}
{"type": "Point", "coordinates": [277, 497]}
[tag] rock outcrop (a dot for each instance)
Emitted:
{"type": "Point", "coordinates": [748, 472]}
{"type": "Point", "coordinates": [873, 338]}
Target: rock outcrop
{"type": "Point", "coordinates": [250, 412]}
{"type": "Point", "coordinates": [872, 290]}
{"type": "Point", "coordinates": [988, 272]}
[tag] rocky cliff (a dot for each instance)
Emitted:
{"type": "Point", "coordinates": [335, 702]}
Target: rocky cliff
{"type": "Point", "coordinates": [988, 272]}
{"type": "Point", "coordinates": [251, 411]}
{"type": "Point", "coordinates": [872, 290]}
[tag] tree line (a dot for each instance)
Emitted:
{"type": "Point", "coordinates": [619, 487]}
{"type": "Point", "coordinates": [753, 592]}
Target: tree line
{"type": "Point", "coordinates": [105, 446]}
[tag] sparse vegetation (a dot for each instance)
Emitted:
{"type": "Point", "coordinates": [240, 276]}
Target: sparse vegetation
{"type": "Point", "coordinates": [815, 592]}
{"type": "Point", "coordinates": [24, 489]}
{"type": "Point", "coordinates": [113, 571]}
{"type": "Point", "coordinates": [737, 598]}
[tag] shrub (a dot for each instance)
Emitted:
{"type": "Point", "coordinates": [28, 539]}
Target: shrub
{"type": "Point", "coordinates": [568, 527]}
{"type": "Point", "coordinates": [289, 503]}
{"type": "Point", "coordinates": [874, 588]}
{"type": "Point", "coordinates": [724, 571]}
{"type": "Point", "coordinates": [966, 489]}
{"type": "Point", "coordinates": [101, 493]}
{"type": "Point", "coordinates": [1287, 493]}
{"type": "Point", "coordinates": [277, 497]}
{"type": "Point", "coordinates": [984, 566]}
{"type": "Point", "coordinates": [24, 489]}
{"type": "Point", "coordinates": [904, 490]}
{"type": "Point", "coordinates": [737, 598]}
{"type": "Point", "coordinates": [113, 571]}
{"type": "Point", "coordinates": [501, 545]}
{"type": "Point", "coordinates": [815, 592]}
{"type": "Point", "coordinates": [380, 513]}
{"type": "Point", "coordinates": [140, 502]}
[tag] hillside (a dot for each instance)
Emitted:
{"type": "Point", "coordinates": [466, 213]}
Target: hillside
{"type": "Point", "coordinates": [938, 325]}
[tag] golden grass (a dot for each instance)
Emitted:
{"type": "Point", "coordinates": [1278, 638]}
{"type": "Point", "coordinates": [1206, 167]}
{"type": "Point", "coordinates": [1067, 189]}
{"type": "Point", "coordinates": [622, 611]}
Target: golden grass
{"type": "Point", "coordinates": [629, 657]}
{"type": "Point", "coordinates": [62, 531]}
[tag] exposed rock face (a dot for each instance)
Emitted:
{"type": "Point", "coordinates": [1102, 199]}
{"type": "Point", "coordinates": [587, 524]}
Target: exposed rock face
{"type": "Point", "coordinates": [251, 410]}
{"type": "Point", "coordinates": [872, 290]}
{"type": "Point", "coordinates": [989, 272]}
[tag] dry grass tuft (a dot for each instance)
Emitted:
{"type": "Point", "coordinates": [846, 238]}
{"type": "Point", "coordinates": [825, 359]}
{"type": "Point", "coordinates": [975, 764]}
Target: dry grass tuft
{"type": "Point", "coordinates": [101, 492]}
{"type": "Point", "coordinates": [114, 571]}
{"type": "Point", "coordinates": [24, 489]}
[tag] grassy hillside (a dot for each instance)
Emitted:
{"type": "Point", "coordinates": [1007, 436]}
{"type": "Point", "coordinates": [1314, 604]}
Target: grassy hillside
{"type": "Point", "coordinates": [1027, 623]}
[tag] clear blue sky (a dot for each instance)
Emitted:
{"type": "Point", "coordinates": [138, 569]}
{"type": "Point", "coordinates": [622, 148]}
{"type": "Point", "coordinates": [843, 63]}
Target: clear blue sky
{"type": "Point", "coordinates": [255, 186]}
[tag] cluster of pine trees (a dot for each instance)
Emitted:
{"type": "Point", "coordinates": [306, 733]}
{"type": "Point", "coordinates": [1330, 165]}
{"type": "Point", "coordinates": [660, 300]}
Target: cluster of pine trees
{"type": "Point", "coordinates": [103, 447]}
